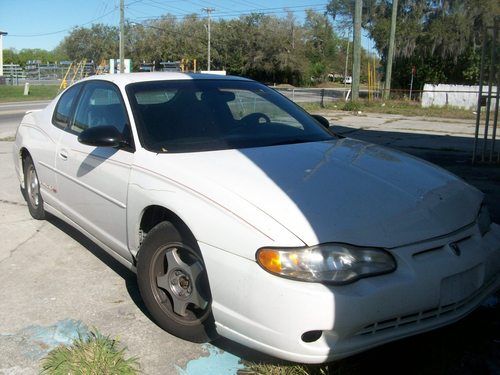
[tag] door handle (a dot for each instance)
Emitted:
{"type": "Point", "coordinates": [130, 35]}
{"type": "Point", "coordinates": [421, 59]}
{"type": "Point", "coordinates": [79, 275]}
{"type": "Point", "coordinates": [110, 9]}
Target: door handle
{"type": "Point", "coordinates": [63, 154]}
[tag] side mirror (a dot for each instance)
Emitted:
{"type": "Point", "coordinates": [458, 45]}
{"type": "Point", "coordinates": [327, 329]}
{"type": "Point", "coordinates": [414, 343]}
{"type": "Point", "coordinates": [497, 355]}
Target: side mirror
{"type": "Point", "coordinates": [323, 121]}
{"type": "Point", "coordinates": [102, 136]}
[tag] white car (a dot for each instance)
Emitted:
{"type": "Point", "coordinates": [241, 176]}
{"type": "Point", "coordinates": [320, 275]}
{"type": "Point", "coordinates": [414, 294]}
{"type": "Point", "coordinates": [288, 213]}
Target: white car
{"type": "Point", "coordinates": [245, 217]}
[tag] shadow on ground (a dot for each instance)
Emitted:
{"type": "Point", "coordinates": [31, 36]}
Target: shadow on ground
{"type": "Point", "coordinates": [127, 275]}
{"type": "Point", "coordinates": [131, 284]}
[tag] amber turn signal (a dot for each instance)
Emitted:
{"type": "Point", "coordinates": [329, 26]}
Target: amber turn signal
{"type": "Point", "coordinates": [270, 260]}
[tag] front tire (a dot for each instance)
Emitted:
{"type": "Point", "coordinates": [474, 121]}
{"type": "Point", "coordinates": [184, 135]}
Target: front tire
{"type": "Point", "coordinates": [32, 190]}
{"type": "Point", "coordinates": [173, 283]}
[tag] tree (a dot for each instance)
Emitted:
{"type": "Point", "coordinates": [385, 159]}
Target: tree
{"type": "Point", "coordinates": [95, 43]}
{"type": "Point", "coordinates": [440, 38]}
{"type": "Point", "coordinates": [32, 54]}
{"type": "Point", "coordinates": [268, 48]}
{"type": "Point", "coordinates": [321, 45]}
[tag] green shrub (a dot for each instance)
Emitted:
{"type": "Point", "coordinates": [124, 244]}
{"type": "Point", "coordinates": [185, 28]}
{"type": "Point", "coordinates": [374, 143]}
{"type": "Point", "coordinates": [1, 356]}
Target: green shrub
{"type": "Point", "coordinates": [92, 355]}
{"type": "Point", "coordinates": [351, 106]}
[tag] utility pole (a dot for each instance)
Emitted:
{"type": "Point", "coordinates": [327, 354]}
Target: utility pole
{"type": "Point", "coordinates": [390, 55]}
{"type": "Point", "coordinates": [208, 10]}
{"type": "Point", "coordinates": [356, 46]}
{"type": "Point", "coordinates": [122, 36]}
{"type": "Point", "coordinates": [347, 60]}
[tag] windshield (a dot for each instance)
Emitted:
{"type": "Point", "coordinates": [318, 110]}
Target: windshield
{"type": "Point", "coordinates": [201, 115]}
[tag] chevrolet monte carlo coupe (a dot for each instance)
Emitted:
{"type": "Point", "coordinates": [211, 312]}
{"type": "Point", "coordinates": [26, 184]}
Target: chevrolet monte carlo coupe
{"type": "Point", "coordinates": [243, 216]}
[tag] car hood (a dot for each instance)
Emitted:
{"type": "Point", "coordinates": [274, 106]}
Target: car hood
{"type": "Point", "coordinates": [337, 191]}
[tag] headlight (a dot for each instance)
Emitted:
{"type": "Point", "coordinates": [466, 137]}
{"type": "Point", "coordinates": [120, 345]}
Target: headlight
{"type": "Point", "coordinates": [326, 263]}
{"type": "Point", "coordinates": [484, 220]}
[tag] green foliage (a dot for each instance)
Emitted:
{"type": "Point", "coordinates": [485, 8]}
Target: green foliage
{"type": "Point", "coordinates": [270, 369]}
{"type": "Point", "coordinates": [441, 38]}
{"type": "Point", "coordinates": [351, 106]}
{"type": "Point", "coordinates": [268, 48]}
{"type": "Point", "coordinates": [93, 355]}
{"type": "Point", "coordinates": [95, 43]}
{"type": "Point", "coordinates": [29, 54]}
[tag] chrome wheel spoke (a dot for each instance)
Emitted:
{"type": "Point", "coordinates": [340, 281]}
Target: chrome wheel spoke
{"type": "Point", "coordinates": [174, 261]}
{"type": "Point", "coordinates": [162, 282]}
{"type": "Point", "coordinates": [179, 281]}
{"type": "Point", "coordinates": [196, 298]}
{"type": "Point", "coordinates": [180, 306]}
{"type": "Point", "coordinates": [33, 187]}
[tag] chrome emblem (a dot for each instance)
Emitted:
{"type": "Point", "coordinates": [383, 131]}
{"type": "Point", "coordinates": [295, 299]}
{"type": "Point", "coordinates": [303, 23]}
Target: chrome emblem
{"type": "Point", "coordinates": [456, 250]}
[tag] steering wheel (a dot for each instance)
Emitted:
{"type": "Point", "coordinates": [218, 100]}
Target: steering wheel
{"type": "Point", "coordinates": [254, 118]}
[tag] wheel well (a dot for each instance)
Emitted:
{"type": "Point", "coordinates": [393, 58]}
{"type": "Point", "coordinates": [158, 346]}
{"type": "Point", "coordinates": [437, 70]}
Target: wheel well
{"type": "Point", "coordinates": [23, 154]}
{"type": "Point", "coordinates": [154, 215]}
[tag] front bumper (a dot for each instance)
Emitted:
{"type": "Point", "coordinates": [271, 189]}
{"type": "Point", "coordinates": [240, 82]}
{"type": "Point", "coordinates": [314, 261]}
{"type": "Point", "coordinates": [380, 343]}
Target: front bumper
{"type": "Point", "coordinates": [434, 285]}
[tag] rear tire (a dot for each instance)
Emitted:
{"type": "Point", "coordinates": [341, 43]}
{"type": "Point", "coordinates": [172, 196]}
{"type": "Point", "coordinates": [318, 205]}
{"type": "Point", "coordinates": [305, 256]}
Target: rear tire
{"type": "Point", "coordinates": [174, 285]}
{"type": "Point", "coordinates": [32, 190]}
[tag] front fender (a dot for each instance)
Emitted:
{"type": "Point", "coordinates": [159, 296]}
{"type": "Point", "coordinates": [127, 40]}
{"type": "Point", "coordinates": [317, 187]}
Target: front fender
{"type": "Point", "coordinates": [240, 229]}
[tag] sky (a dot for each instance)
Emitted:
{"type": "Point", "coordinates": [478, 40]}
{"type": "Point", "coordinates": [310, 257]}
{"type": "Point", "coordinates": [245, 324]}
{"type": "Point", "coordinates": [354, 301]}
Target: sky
{"type": "Point", "coordinates": [44, 23]}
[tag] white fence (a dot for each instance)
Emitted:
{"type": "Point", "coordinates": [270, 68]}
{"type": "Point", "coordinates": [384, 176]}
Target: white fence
{"type": "Point", "coordinates": [460, 96]}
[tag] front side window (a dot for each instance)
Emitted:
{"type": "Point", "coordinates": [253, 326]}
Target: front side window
{"type": "Point", "coordinates": [201, 115]}
{"type": "Point", "coordinates": [100, 105]}
{"type": "Point", "coordinates": [64, 106]}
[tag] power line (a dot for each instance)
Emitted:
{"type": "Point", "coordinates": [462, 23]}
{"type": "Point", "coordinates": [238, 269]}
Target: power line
{"type": "Point", "coordinates": [223, 15]}
{"type": "Point", "coordinates": [156, 4]}
{"type": "Point", "coordinates": [282, 11]}
{"type": "Point", "coordinates": [248, 3]}
{"type": "Point", "coordinates": [64, 30]}
{"type": "Point", "coordinates": [207, 2]}
{"type": "Point", "coordinates": [264, 10]}
{"type": "Point", "coordinates": [273, 10]}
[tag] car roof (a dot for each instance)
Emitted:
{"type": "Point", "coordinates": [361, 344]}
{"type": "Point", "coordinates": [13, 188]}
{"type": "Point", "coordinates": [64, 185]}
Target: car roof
{"type": "Point", "coordinates": [123, 79]}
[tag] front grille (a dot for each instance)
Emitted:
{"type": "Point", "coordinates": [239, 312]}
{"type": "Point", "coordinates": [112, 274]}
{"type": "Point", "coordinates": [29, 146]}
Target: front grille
{"type": "Point", "coordinates": [422, 316]}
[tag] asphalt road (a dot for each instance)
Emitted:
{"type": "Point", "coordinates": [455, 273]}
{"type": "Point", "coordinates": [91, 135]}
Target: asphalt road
{"type": "Point", "coordinates": [11, 115]}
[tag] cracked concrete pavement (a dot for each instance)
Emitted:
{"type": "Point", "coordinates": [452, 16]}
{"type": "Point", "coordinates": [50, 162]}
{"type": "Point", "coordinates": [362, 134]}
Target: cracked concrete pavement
{"type": "Point", "coordinates": [405, 132]}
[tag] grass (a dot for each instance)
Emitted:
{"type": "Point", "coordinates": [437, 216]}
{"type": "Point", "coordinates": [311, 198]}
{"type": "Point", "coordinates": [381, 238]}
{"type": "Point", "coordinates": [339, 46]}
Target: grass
{"type": "Point", "coordinates": [92, 355]}
{"type": "Point", "coordinates": [394, 107]}
{"type": "Point", "coordinates": [269, 369]}
{"type": "Point", "coordinates": [37, 92]}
